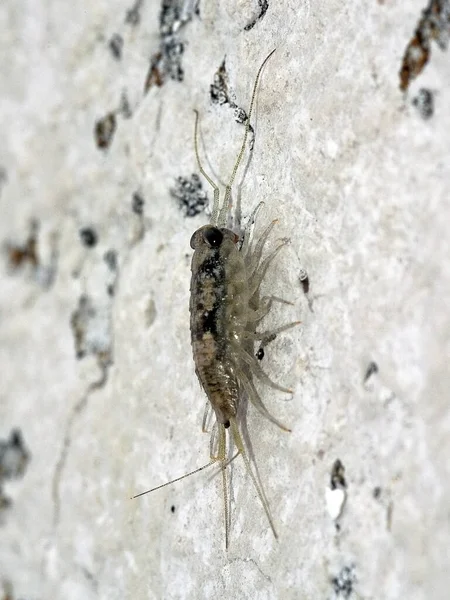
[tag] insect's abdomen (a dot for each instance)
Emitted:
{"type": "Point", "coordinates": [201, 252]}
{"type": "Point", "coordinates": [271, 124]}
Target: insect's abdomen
{"type": "Point", "coordinates": [216, 317]}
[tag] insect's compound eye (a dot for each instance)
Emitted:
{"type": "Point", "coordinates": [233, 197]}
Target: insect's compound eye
{"type": "Point", "coordinates": [213, 237]}
{"type": "Point", "coordinates": [193, 242]}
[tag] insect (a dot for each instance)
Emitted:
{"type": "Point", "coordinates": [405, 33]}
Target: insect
{"type": "Point", "coordinates": [226, 309]}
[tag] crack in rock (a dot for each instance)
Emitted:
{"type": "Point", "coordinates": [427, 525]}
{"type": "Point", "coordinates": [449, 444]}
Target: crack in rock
{"type": "Point", "coordinates": [77, 410]}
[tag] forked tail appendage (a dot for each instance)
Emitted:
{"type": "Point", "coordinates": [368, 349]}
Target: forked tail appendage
{"type": "Point", "coordinates": [237, 438]}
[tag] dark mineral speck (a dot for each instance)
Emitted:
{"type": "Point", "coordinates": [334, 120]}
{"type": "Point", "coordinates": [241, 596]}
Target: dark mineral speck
{"type": "Point", "coordinates": [14, 458]}
{"type": "Point", "coordinates": [110, 259]}
{"type": "Point", "coordinates": [240, 116]}
{"type": "Point", "coordinates": [263, 6]}
{"type": "Point", "coordinates": [337, 476]}
{"type": "Point", "coordinates": [424, 102]}
{"type": "Point", "coordinates": [304, 280]}
{"type": "Point", "coordinates": [104, 130]}
{"type": "Point", "coordinates": [88, 237]}
{"type": "Point", "coordinates": [343, 583]}
{"type": "Point", "coordinates": [218, 90]}
{"type": "Point", "coordinates": [116, 46]}
{"type": "Point", "coordinates": [3, 177]}
{"type": "Point", "coordinates": [124, 106]}
{"type": "Point", "coordinates": [137, 203]}
{"type": "Point", "coordinates": [260, 353]}
{"type": "Point", "coordinates": [372, 369]}
{"type": "Point", "coordinates": [133, 15]}
{"type": "Point", "coordinates": [191, 197]}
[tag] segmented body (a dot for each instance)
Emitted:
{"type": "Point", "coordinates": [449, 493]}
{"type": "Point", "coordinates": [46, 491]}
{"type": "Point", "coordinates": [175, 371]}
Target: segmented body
{"type": "Point", "coordinates": [218, 307]}
{"type": "Point", "coordinates": [226, 309]}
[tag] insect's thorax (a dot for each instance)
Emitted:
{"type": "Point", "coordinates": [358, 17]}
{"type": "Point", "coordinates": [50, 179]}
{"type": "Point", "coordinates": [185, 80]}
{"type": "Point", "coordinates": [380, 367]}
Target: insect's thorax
{"type": "Point", "coordinates": [219, 307]}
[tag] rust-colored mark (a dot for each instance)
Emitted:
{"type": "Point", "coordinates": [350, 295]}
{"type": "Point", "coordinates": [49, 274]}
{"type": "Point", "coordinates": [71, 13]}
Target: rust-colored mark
{"type": "Point", "coordinates": [167, 62]}
{"type": "Point", "coordinates": [416, 57]}
{"type": "Point", "coordinates": [434, 25]}
{"type": "Point", "coordinates": [155, 75]}
{"type": "Point", "coordinates": [104, 130]}
{"type": "Point", "coordinates": [20, 255]}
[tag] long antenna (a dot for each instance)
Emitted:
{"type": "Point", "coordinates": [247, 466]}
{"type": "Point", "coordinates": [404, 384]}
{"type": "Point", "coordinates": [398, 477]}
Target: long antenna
{"type": "Point", "coordinates": [224, 209]}
{"type": "Point", "coordinates": [215, 209]}
{"type": "Point", "coordinates": [212, 462]}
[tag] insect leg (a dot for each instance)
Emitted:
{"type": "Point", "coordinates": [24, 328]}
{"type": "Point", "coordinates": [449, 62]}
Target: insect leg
{"type": "Point", "coordinates": [258, 315]}
{"type": "Point", "coordinates": [248, 232]}
{"type": "Point", "coordinates": [255, 255]}
{"type": "Point", "coordinates": [255, 399]}
{"type": "Point", "coordinates": [268, 336]}
{"type": "Point", "coordinates": [206, 417]}
{"type": "Point", "coordinates": [258, 275]}
{"type": "Point", "coordinates": [270, 299]}
{"type": "Point", "coordinates": [256, 370]}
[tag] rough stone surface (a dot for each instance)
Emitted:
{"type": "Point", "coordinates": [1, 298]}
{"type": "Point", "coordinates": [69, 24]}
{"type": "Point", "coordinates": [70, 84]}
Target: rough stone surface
{"type": "Point", "coordinates": [96, 367]}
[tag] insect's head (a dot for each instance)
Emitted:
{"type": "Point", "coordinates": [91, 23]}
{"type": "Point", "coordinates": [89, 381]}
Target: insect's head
{"type": "Point", "coordinates": [211, 236]}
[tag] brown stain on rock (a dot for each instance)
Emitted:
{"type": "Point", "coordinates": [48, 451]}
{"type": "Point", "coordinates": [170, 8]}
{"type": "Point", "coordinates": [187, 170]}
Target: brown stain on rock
{"type": "Point", "coordinates": [434, 25]}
